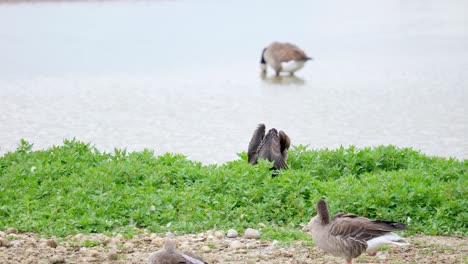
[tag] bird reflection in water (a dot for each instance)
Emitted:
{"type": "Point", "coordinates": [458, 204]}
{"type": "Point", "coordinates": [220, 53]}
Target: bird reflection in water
{"type": "Point", "coordinates": [282, 79]}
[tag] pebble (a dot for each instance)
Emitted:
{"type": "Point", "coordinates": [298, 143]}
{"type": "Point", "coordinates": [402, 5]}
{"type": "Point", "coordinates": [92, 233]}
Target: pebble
{"type": "Point", "coordinates": [261, 225]}
{"type": "Point", "coordinates": [12, 230]}
{"type": "Point", "coordinates": [231, 233]}
{"type": "Point", "coordinates": [4, 243]}
{"type": "Point", "coordinates": [57, 259]}
{"type": "Point", "coordinates": [52, 243]}
{"type": "Point", "coordinates": [106, 242]}
{"type": "Point", "coordinates": [94, 253]}
{"type": "Point", "coordinates": [205, 249]}
{"type": "Point", "coordinates": [2, 234]}
{"type": "Point", "coordinates": [219, 234]}
{"type": "Point", "coordinates": [113, 255]}
{"type": "Point", "coordinates": [237, 244]}
{"type": "Point", "coordinates": [252, 233]}
{"type": "Point", "coordinates": [119, 237]}
{"type": "Point", "coordinates": [129, 245]}
{"type": "Point", "coordinates": [17, 243]}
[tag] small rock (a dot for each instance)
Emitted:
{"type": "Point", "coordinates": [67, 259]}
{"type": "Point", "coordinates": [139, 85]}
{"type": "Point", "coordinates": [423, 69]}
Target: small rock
{"type": "Point", "coordinates": [52, 243]}
{"type": "Point", "coordinates": [4, 243]}
{"type": "Point", "coordinates": [2, 234]}
{"type": "Point", "coordinates": [231, 233]}
{"type": "Point", "coordinates": [205, 249]}
{"type": "Point", "coordinates": [237, 244]}
{"type": "Point", "coordinates": [93, 253]}
{"type": "Point", "coordinates": [17, 243]}
{"type": "Point", "coordinates": [261, 225]}
{"type": "Point", "coordinates": [252, 233]}
{"type": "Point", "coordinates": [31, 242]}
{"type": "Point", "coordinates": [61, 249]}
{"type": "Point", "coordinates": [57, 259]}
{"type": "Point", "coordinates": [106, 241]}
{"type": "Point", "coordinates": [129, 245]}
{"type": "Point", "coordinates": [119, 237]}
{"type": "Point", "coordinates": [113, 255]}
{"type": "Point", "coordinates": [153, 235]}
{"type": "Point", "coordinates": [12, 230]}
{"type": "Point", "coordinates": [219, 234]}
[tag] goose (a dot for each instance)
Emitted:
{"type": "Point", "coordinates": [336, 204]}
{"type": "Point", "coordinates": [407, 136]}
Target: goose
{"type": "Point", "coordinates": [168, 255]}
{"type": "Point", "coordinates": [283, 57]}
{"type": "Point", "coordinates": [273, 147]}
{"type": "Point", "coordinates": [348, 235]}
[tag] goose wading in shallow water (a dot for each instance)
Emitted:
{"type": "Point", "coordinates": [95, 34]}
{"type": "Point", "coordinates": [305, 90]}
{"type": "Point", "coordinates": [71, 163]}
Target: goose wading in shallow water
{"type": "Point", "coordinates": [273, 147]}
{"type": "Point", "coordinates": [168, 255]}
{"type": "Point", "coordinates": [283, 57]}
{"type": "Point", "coordinates": [349, 235]}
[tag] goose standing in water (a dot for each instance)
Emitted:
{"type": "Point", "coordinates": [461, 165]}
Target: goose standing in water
{"type": "Point", "coordinates": [168, 255]}
{"type": "Point", "coordinates": [283, 57]}
{"type": "Point", "coordinates": [349, 235]}
{"type": "Point", "coordinates": [273, 147]}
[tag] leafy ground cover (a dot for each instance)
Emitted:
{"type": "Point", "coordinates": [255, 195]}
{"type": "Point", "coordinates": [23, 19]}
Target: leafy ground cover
{"type": "Point", "coordinates": [75, 188]}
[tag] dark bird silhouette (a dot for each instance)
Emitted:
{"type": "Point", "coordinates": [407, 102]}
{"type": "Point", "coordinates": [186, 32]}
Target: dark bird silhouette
{"type": "Point", "coordinates": [273, 147]}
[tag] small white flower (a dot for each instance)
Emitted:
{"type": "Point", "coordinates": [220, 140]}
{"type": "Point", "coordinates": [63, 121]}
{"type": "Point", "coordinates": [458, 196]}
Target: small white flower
{"type": "Point", "coordinates": [33, 168]}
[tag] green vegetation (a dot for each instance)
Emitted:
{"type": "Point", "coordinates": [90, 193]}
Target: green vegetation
{"type": "Point", "coordinates": [75, 188]}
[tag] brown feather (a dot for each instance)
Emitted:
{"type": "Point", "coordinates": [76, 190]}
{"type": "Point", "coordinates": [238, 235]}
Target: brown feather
{"type": "Point", "coordinates": [254, 143]}
{"type": "Point", "coordinates": [284, 52]}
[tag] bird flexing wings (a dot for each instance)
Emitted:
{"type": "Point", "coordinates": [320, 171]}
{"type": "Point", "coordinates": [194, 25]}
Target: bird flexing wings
{"type": "Point", "coordinates": [273, 147]}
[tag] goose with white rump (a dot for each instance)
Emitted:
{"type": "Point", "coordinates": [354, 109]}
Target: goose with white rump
{"type": "Point", "coordinates": [348, 235]}
{"type": "Point", "coordinates": [283, 57]}
{"type": "Point", "coordinates": [168, 255]}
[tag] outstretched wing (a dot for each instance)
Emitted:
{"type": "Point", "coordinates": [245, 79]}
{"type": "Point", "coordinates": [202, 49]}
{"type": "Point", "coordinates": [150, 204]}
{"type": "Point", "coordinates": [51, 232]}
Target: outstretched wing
{"type": "Point", "coordinates": [255, 141]}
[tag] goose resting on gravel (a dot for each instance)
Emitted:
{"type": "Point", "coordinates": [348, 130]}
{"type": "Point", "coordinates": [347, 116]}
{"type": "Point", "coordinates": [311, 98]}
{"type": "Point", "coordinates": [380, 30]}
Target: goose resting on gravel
{"type": "Point", "coordinates": [349, 235]}
{"type": "Point", "coordinates": [168, 255]}
{"type": "Point", "coordinates": [273, 147]}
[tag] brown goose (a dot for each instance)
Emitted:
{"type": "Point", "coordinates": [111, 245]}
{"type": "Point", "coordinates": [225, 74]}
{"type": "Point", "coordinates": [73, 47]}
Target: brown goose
{"type": "Point", "coordinates": [349, 235]}
{"type": "Point", "coordinates": [168, 255]}
{"type": "Point", "coordinates": [273, 147]}
{"type": "Point", "coordinates": [283, 57]}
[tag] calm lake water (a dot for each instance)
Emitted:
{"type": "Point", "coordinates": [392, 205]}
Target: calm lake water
{"type": "Point", "coordinates": [183, 76]}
